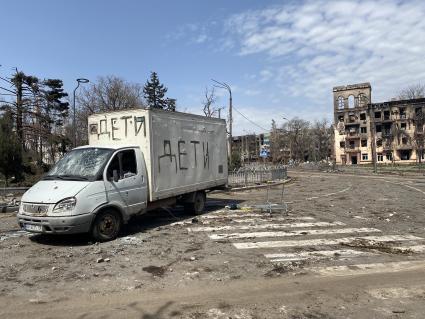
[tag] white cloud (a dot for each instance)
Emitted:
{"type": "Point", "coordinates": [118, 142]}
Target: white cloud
{"type": "Point", "coordinates": [314, 46]}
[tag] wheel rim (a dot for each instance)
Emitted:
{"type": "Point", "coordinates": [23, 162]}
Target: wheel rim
{"type": "Point", "coordinates": [107, 225]}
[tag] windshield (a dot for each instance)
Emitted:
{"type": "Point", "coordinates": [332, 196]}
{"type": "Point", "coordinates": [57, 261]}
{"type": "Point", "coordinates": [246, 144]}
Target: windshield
{"type": "Point", "coordinates": [80, 164]}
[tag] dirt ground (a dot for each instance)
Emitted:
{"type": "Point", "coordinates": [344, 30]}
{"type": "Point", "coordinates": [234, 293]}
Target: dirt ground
{"type": "Point", "coordinates": [334, 246]}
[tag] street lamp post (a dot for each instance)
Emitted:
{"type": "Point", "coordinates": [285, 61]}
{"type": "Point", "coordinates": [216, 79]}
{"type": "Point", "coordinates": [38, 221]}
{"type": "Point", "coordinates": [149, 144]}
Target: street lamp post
{"type": "Point", "coordinates": [74, 129]}
{"type": "Point", "coordinates": [224, 85]}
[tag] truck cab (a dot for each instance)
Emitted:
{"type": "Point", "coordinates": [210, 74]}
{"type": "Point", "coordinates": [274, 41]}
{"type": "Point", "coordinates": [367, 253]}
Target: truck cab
{"type": "Point", "coordinates": [91, 189]}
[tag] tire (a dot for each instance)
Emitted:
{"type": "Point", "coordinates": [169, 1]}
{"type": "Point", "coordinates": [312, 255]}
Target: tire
{"type": "Point", "coordinates": [106, 226]}
{"type": "Point", "coordinates": [198, 205]}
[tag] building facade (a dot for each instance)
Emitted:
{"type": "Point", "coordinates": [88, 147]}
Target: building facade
{"type": "Point", "coordinates": [390, 132]}
{"type": "Point", "coordinates": [250, 146]}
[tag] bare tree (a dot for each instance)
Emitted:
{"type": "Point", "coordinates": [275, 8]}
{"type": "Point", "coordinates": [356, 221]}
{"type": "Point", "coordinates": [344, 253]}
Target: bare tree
{"type": "Point", "coordinates": [109, 93]}
{"type": "Point", "coordinates": [322, 134]}
{"type": "Point", "coordinates": [412, 92]}
{"type": "Point", "coordinates": [208, 103]}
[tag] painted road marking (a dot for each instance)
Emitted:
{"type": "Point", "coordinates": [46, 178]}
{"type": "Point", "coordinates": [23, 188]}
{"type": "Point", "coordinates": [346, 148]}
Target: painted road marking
{"type": "Point", "coordinates": [259, 226]}
{"type": "Point", "coordinates": [317, 242]}
{"type": "Point", "coordinates": [242, 215]}
{"type": "Point", "coordinates": [320, 254]}
{"type": "Point", "coordinates": [294, 233]}
{"type": "Point", "coordinates": [365, 269]}
{"type": "Point", "coordinates": [268, 218]}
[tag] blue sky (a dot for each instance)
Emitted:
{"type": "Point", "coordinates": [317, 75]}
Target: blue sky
{"type": "Point", "coordinates": [281, 58]}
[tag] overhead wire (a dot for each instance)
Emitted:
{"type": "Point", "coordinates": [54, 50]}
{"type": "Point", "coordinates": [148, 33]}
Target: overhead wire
{"type": "Point", "coordinates": [266, 130]}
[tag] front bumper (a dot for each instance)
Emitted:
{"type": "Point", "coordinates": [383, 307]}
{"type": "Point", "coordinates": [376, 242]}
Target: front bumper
{"type": "Point", "coordinates": [57, 225]}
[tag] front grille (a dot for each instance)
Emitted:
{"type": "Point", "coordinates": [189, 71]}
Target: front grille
{"type": "Point", "coordinates": [35, 209]}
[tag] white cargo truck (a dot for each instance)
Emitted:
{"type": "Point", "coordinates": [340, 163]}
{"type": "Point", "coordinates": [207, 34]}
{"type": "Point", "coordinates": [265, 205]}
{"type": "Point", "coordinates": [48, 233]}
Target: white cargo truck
{"type": "Point", "coordinates": [136, 160]}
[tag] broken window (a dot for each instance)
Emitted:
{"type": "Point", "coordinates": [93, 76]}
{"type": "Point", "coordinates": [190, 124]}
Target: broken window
{"type": "Point", "coordinates": [404, 140]}
{"type": "Point", "coordinates": [341, 102]}
{"type": "Point", "coordinates": [377, 115]}
{"type": "Point", "coordinates": [352, 118]}
{"type": "Point", "coordinates": [402, 111]}
{"type": "Point", "coordinates": [386, 130]}
{"type": "Point", "coordinates": [363, 116]}
{"type": "Point", "coordinates": [342, 144]}
{"type": "Point", "coordinates": [379, 142]}
{"type": "Point", "coordinates": [380, 157]}
{"type": "Point", "coordinates": [364, 143]}
{"type": "Point", "coordinates": [386, 115]}
{"type": "Point", "coordinates": [389, 156]}
{"type": "Point", "coordinates": [364, 157]}
{"type": "Point", "coordinates": [405, 155]}
{"type": "Point", "coordinates": [341, 118]}
{"type": "Point", "coordinates": [124, 163]}
{"type": "Point", "coordinates": [361, 99]}
{"type": "Point", "coordinates": [352, 145]}
{"type": "Point", "coordinates": [378, 128]}
{"type": "Point", "coordinates": [403, 126]}
{"type": "Point", "coordinates": [363, 129]}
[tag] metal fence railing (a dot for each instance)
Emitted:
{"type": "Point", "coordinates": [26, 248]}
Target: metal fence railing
{"type": "Point", "coordinates": [251, 177]}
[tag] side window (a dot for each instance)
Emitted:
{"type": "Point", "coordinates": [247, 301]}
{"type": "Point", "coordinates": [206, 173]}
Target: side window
{"type": "Point", "coordinates": [114, 165]}
{"type": "Point", "coordinates": [129, 164]}
{"type": "Point", "coordinates": [125, 163]}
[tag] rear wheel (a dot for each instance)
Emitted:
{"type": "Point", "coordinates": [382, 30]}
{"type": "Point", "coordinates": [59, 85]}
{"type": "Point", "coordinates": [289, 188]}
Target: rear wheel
{"type": "Point", "coordinates": [198, 205]}
{"type": "Point", "coordinates": [106, 225]}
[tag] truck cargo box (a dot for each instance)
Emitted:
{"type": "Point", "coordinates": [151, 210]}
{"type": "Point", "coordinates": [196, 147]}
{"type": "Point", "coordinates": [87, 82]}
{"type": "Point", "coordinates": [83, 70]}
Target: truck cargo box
{"type": "Point", "coordinates": [183, 152]}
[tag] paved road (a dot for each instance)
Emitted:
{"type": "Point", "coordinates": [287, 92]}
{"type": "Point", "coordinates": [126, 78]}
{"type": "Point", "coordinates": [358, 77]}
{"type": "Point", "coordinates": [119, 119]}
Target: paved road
{"type": "Point", "coordinates": [348, 247]}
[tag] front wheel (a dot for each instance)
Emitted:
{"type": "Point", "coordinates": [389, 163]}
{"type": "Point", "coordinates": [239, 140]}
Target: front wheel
{"type": "Point", "coordinates": [198, 205]}
{"type": "Point", "coordinates": [106, 226]}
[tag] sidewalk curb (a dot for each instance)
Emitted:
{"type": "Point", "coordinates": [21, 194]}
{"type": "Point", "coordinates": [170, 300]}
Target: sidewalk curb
{"type": "Point", "coordinates": [241, 189]}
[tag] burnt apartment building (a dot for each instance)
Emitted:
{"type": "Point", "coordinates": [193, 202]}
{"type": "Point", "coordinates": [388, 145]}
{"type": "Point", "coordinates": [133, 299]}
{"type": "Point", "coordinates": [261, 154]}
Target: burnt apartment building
{"type": "Point", "coordinates": [392, 132]}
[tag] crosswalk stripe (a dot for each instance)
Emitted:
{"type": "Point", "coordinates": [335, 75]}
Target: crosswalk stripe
{"type": "Point", "coordinates": [364, 269]}
{"type": "Point", "coordinates": [294, 233]}
{"type": "Point", "coordinates": [319, 254]}
{"type": "Point", "coordinates": [268, 218]}
{"type": "Point", "coordinates": [317, 242]}
{"type": "Point", "coordinates": [262, 226]}
{"type": "Point", "coordinates": [244, 215]}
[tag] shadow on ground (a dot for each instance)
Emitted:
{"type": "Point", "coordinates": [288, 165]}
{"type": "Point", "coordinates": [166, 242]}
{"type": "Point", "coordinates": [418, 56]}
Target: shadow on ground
{"type": "Point", "coordinates": [138, 224]}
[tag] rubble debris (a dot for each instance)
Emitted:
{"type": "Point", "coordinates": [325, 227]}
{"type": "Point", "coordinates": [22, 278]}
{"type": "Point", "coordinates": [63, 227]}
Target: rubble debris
{"type": "Point", "coordinates": [282, 268]}
{"type": "Point", "coordinates": [380, 246]}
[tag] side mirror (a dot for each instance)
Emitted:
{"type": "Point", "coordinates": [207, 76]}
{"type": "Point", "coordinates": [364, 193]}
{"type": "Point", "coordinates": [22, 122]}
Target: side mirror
{"type": "Point", "coordinates": [115, 175]}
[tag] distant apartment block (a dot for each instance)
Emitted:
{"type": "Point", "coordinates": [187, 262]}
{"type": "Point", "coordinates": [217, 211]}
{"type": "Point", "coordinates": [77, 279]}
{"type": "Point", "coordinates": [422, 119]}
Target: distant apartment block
{"type": "Point", "coordinates": [395, 127]}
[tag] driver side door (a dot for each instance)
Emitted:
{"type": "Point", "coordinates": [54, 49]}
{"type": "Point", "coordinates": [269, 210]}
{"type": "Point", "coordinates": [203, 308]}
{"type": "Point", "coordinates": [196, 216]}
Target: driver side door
{"type": "Point", "coordinates": [130, 189]}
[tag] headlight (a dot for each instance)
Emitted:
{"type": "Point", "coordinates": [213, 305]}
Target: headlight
{"type": "Point", "coordinates": [65, 205]}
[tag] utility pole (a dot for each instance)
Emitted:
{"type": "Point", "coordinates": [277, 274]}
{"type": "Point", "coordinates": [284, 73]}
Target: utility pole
{"type": "Point", "coordinates": [224, 85]}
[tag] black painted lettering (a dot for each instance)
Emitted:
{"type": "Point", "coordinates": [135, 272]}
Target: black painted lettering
{"type": "Point", "coordinates": [139, 121]}
{"type": "Point", "coordinates": [206, 155]}
{"type": "Point", "coordinates": [114, 128]}
{"type": "Point", "coordinates": [194, 149]}
{"type": "Point", "coordinates": [167, 153]}
{"type": "Point", "coordinates": [125, 118]}
{"type": "Point", "coordinates": [103, 128]}
{"type": "Point", "coordinates": [181, 153]}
